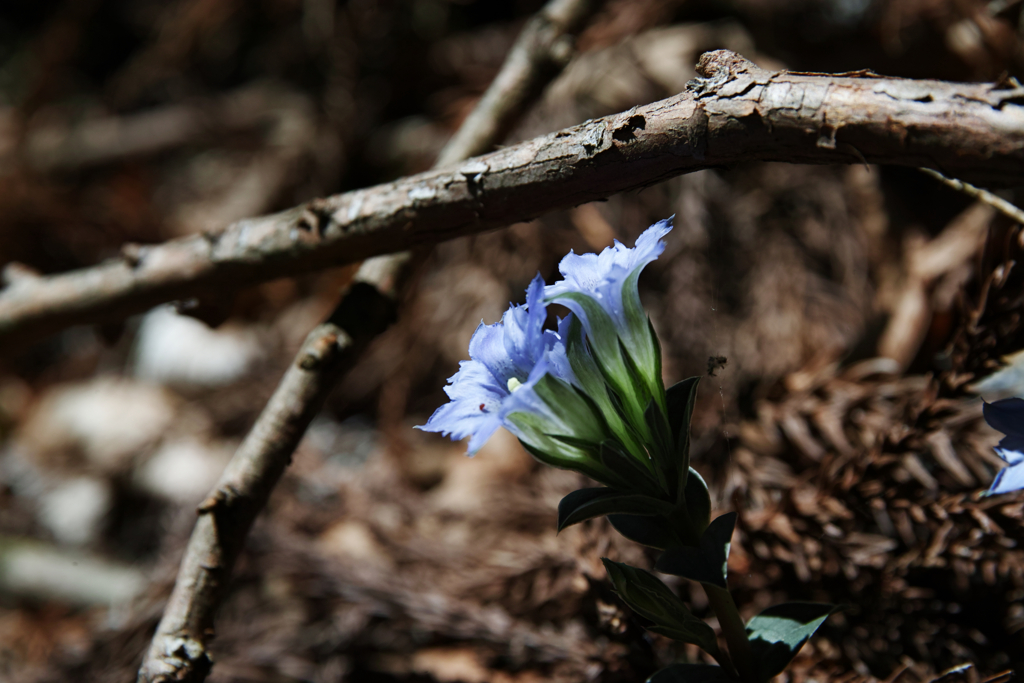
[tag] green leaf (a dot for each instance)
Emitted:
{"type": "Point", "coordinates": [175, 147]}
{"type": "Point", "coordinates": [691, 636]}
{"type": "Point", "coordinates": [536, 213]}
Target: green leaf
{"type": "Point", "coordinates": [636, 472]}
{"type": "Point", "coordinates": [778, 633]}
{"type": "Point", "coordinates": [654, 532]}
{"type": "Point", "coordinates": [585, 504]}
{"type": "Point", "coordinates": [662, 449]}
{"type": "Point", "coordinates": [680, 399]}
{"type": "Point", "coordinates": [698, 502]}
{"type": "Point", "coordinates": [708, 563]}
{"type": "Point", "coordinates": [691, 673]}
{"type": "Point", "coordinates": [649, 597]}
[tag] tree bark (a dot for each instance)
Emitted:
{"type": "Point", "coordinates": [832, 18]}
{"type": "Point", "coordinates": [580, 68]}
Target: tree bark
{"type": "Point", "coordinates": [734, 112]}
{"type": "Point", "coordinates": [179, 651]}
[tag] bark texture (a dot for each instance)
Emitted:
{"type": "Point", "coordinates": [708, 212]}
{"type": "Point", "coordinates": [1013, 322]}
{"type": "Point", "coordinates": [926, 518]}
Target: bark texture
{"type": "Point", "coordinates": [178, 650]}
{"type": "Point", "coordinates": [734, 112]}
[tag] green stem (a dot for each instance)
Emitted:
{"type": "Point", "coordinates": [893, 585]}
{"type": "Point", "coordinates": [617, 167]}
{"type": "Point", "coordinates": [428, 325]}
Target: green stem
{"type": "Point", "coordinates": [732, 628]}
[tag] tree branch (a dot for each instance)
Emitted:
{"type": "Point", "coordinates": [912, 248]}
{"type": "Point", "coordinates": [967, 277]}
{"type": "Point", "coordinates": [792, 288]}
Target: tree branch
{"type": "Point", "coordinates": [734, 112]}
{"type": "Point", "coordinates": [540, 52]}
{"type": "Point", "coordinates": [178, 650]}
{"type": "Point", "coordinates": [995, 201]}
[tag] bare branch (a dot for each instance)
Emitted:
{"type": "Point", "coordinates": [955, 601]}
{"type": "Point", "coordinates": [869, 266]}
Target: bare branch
{"type": "Point", "coordinates": [996, 202]}
{"type": "Point", "coordinates": [101, 140]}
{"type": "Point", "coordinates": [178, 650]}
{"type": "Point", "coordinates": [541, 51]}
{"type": "Point", "coordinates": [735, 112]}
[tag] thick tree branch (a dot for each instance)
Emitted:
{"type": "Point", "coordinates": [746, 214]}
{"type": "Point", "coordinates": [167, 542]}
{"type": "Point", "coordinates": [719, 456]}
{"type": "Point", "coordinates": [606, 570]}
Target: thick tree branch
{"type": "Point", "coordinates": [734, 112]}
{"type": "Point", "coordinates": [178, 650]}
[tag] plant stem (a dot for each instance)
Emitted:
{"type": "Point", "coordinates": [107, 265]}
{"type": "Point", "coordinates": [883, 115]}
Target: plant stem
{"type": "Point", "coordinates": [732, 628]}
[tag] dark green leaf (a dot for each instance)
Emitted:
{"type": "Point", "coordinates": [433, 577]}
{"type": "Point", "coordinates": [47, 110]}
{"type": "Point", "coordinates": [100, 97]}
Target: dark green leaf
{"type": "Point", "coordinates": [715, 543]}
{"type": "Point", "coordinates": [657, 425]}
{"type": "Point", "coordinates": [707, 563]}
{"type": "Point", "coordinates": [680, 399]}
{"type": "Point", "coordinates": [654, 532]}
{"type": "Point", "coordinates": [650, 598]}
{"type": "Point", "coordinates": [659, 384]}
{"type": "Point", "coordinates": [778, 633]}
{"type": "Point", "coordinates": [691, 673]}
{"type": "Point", "coordinates": [698, 502]}
{"type": "Point", "coordinates": [585, 504]}
{"type": "Point", "coordinates": [575, 442]}
{"type": "Point", "coordinates": [687, 562]}
{"type": "Point", "coordinates": [636, 471]}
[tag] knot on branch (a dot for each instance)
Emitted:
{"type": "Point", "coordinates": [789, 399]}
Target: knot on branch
{"type": "Point", "coordinates": [723, 64]}
{"type": "Point", "coordinates": [180, 659]}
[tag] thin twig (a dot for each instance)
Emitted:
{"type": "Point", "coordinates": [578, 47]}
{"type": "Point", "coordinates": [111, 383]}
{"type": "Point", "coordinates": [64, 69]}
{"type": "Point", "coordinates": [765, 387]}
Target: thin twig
{"type": "Point", "coordinates": [735, 113]}
{"type": "Point", "coordinates": [178, 650]}
{"type": "Point", "coordinates": [540, 52]}
{"type": "Point", "coordinates": [996, 202]}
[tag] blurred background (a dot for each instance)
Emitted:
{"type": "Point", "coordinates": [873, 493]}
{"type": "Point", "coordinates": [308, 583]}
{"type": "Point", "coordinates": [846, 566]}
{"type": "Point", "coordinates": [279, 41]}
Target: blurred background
{"type": "Point", "coordinates": [843, 318]}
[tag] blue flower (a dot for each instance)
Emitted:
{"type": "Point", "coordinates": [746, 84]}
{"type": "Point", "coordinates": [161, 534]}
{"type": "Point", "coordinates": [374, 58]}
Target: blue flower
{"type": "Point", "coordinates": [506, 358]}
{"type": "Point", "coordinates": [601, 291]}
{"type": "Point", "coordinates": [610, 277]}
{"type": "Point", "coordinates": [519, 377]}
{"type": "Point", "coordinates": [1007, 416]}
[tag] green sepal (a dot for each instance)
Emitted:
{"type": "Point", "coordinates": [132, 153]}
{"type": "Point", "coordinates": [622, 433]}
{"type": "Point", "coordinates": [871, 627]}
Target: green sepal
{"type": "Point", "coordinates": [680, 398]}
{"type": "Point", "coordinates": [649, 597]}
{"type": "Point", "coordinates": [577, 412]}
{"type": "Point", "coordinates": [778, 633]}
{"type": "Point", "coordinates": [584, 504]}
{"type": "Point", "coordinates": [593, 384]}
{"type": "Point", "coordinates": [551, 451]}
{"type": "Point", "coordinates": [691, 673]}
{"type": "Point", "coordinates": [657, 383]}
{"type": "Point", "coordinates": [643, 342]}
{"type": "Point", "coordinates": [709, 562]}
{"type": "Point", "coordinates": [604, 342]}
{"type": "Point", "coordinates": [653, 532]}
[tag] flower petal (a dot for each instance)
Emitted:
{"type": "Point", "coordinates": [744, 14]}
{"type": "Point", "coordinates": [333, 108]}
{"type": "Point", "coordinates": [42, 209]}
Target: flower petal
{"type": "Point", "coordinates": [601, 291]}
{"type": "Point", "coordinates": [517, 348]}
{"type": "Point", "coordinates": [1013, 456]}
{"type": "Point", "coordinates": [473, 409]}
{"type": "Point", "coordinates": [487, 346]}
{"type": "Point", "coordinates": [1008, 479]}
